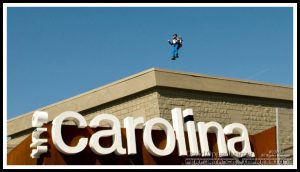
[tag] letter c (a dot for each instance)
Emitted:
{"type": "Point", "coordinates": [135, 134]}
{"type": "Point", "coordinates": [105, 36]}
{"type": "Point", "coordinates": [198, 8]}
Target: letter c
{"type": "Point", "coordinates": [56, 132]}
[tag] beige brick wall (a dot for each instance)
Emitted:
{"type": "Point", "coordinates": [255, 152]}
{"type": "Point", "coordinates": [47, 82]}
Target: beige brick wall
{"type": "Point", "coordinates": [256, 114]}
{"type": "Point", "coordinates": [143, 104]}
{"type": "Point", "coordinates": [285, 116]}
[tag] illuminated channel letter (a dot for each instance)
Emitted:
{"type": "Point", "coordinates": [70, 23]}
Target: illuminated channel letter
{"type": "Point", "coordinates": [175, 134]}
{"type": "Point", "coordinates": [147, 137]}
{"type": "Point", "coordinates": [115, 132]}
{"type": "Point", "coordinates": [38, 119]}
{"type": "Point", "coordinates": [188, 117]}
{"type": "Point", "coordinates": [178, 127]}
{"type": "Point", "coordinates": [56, 132]}
{"type": "Point", "coordinates": [236, 128]}
{"type": "Point", "coordinates": [212, 127]}
{"type": "Point", "coordinates": [130, 124]}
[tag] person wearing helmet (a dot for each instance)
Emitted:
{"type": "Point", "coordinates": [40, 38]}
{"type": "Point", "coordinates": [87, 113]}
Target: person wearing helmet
{"type": "Point", "coordinates": [176, 44]}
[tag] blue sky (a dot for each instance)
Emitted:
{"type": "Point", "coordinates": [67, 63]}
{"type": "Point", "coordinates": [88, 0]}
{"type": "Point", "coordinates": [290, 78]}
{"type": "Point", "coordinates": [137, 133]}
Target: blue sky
{"type": "Point", "coordinates": [57, 53]}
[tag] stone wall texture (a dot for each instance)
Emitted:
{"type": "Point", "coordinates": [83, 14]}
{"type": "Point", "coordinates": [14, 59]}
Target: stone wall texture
{"type": "Point", "coordinates": [257, 114]}
{"type": "Point", "coordinates": [285, 119]}
{"type": "Point", "coordinates": [143, 104]}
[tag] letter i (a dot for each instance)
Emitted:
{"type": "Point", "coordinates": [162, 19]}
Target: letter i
{"type": "Point", "coordinates": [178, 128]}
{"type": "Point", "coordinates": [188, 117]}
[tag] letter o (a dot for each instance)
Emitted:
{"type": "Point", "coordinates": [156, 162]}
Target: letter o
{"type": "Point", "coordinates": [147, 137]}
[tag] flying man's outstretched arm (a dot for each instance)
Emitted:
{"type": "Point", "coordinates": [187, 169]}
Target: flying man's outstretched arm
{"type": "Point", "coordinates": [171, 43]}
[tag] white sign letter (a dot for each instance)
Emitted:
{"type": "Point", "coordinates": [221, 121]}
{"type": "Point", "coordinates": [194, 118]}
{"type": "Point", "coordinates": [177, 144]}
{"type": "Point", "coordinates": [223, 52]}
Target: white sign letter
{"type": "Point", "coordinates": [236, 128]}
{"type": "Point", "coordinates": [190, 125]}
{"type": "Point", "coordinates": [56, 132]}
{"type": "Point", "coordinates": [38, 119]}
{"type": "Point", "coordinates": [147, 137]}
{"type": "Point", "coordinates": [178, 127]}
{"type": "Point", "coordinates": [216, 128]}
{"type": "Point", "coordinates": [115, 132]}
{"type": "Point", "coordinates": [130, 124]}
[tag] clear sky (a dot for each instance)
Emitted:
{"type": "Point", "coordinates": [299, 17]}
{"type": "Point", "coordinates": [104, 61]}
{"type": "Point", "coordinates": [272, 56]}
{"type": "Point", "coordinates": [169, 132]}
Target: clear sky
{"type": "Point", "coordinates": [57, 53]}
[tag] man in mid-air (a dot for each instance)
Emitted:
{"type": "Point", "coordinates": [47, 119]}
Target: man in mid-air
{"type": "Point", "coordinates": [176, 44]}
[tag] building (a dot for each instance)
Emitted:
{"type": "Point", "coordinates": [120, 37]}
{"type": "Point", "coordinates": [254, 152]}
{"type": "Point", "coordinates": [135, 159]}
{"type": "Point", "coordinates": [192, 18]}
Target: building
{"type": "Point", "coordinates": [154, 92]}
